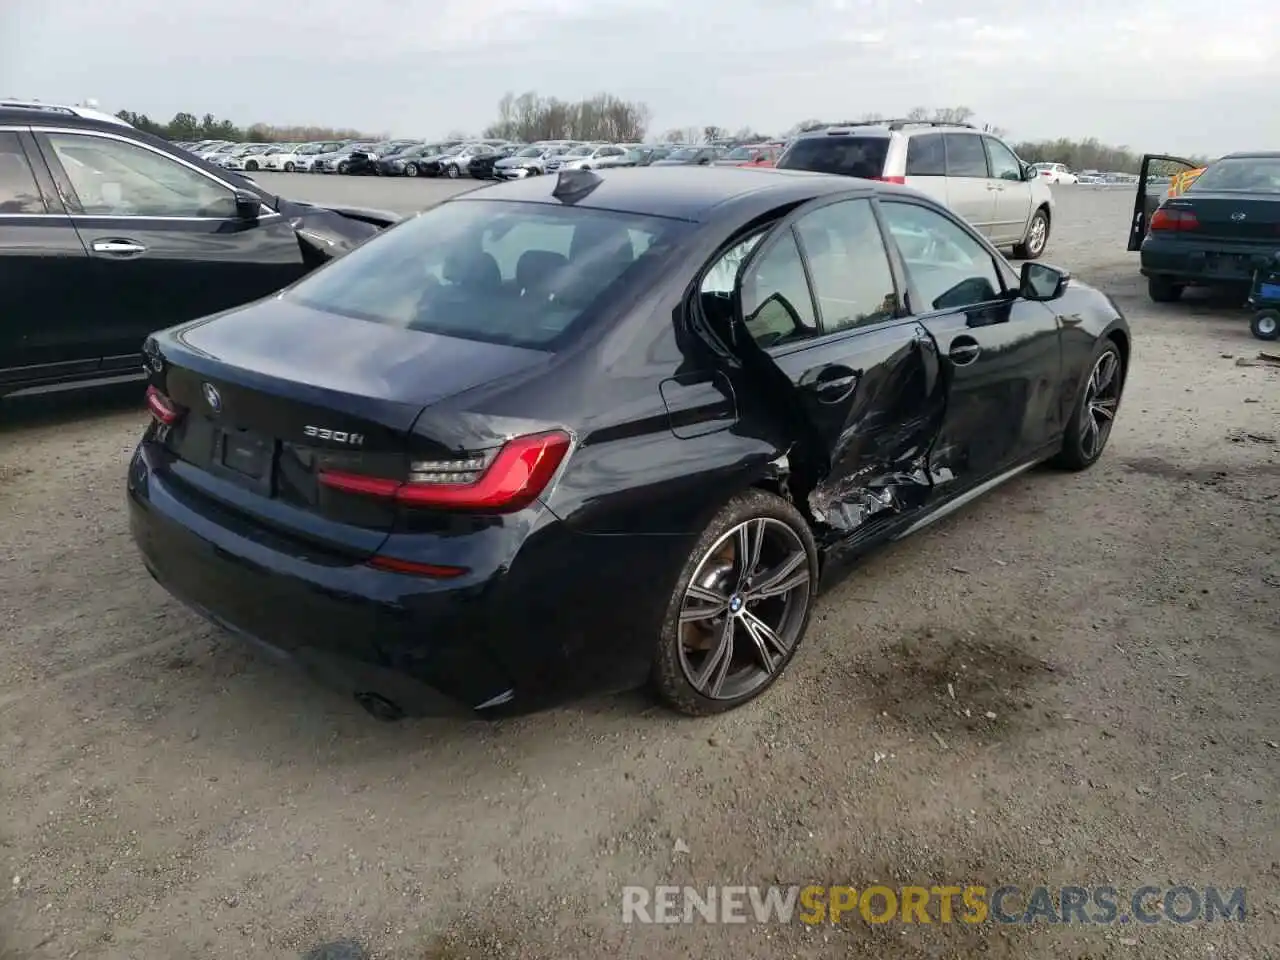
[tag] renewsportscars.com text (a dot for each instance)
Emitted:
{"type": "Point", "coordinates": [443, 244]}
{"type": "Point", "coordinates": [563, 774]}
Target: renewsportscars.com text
{"type": "Point", "coordinates": [944, 904]}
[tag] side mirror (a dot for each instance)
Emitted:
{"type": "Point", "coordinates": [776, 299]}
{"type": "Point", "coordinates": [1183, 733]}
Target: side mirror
{"type": "Point", "coordinates": [1029, 172]}
{"type": "Point", "coordinates": [1042, 282]}
{"type": "Point", "coordinates": [248, 205]}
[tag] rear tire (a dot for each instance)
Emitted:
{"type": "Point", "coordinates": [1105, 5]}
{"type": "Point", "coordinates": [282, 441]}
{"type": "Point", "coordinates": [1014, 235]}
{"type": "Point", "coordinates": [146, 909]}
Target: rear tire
{"type": "Point", "coordinates": [410, 170]}
{"type": "Point", "coordinates": [1037, 238]}
{"type": "Point", "coordinates": [1164, 290]}
{"type": "Point", "coordinates": [251, 165]}
{"type": "Point", "coordinates": [1266, 325]}
{"type": "Point", "coordinates": [343, 167]}
{"type": "Point", "coordinates": [453, 171]}
{"type": "Point", "coordinates": [1096, 408]}
{"type": "Point", "coordinates": [288, 168]}
{"type": "Point", "coordinates": [710, 664]}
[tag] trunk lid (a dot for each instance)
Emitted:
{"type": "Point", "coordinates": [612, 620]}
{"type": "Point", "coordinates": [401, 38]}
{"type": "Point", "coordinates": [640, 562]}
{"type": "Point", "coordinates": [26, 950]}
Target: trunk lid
{"type": "Point", "coordinates": [275, 392]}
{"type": "Point", "coordinates": [1232, 216]}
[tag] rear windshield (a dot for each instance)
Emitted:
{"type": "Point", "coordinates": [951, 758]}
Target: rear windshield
{"type": "Point", "coordinates": [1240, 174]}
{"type": "Point", "coordinates": [849, 156]}
{"type": "Point", "coordinates": [523, 274]}
{"type": "Point", "coordinates": [741, 153]}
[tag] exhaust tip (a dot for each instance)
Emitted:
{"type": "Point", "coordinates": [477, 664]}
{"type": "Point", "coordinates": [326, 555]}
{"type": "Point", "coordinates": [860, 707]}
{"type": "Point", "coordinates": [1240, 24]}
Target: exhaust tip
{"type": "Point", "coordinates": [380, 707]}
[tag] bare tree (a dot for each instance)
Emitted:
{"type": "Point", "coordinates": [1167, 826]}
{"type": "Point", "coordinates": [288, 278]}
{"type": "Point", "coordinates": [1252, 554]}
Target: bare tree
{"type": "Point", "coordinates": [601, 117]}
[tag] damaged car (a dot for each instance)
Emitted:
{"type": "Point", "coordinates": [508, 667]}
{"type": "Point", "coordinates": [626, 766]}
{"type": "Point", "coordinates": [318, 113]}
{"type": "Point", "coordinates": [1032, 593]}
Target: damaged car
{"type": "Point", "coordinates": [111, 233]}
{"type": "Point", "coordinates": [581, 433]}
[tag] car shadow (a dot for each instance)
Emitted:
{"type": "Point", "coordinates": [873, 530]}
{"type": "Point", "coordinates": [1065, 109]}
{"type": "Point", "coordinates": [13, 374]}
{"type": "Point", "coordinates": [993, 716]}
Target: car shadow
{"type": "Point", "coordinates": [51, 409]}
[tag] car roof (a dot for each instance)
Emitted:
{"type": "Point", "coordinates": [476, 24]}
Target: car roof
{"type": "Point", "coordinates": [682, 193]}
{"type": "Point", "coordinates": [31, 114]}
{"type": "Point", "coordinates": [1252, 155]}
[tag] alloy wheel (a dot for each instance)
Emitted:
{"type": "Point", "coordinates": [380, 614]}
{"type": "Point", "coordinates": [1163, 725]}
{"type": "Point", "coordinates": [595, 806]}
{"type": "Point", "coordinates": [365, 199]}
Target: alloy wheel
{"type": "Point", "coordinates": [1101, 399]}
{"type": "Point", "coordinates": [744, 609]}
{"type": "Point", "coordinates": [453, 171]}
{"type": "Point", "coordinates": [410, 170]}
{"type": "Point", "coordinates": [1038, 234]}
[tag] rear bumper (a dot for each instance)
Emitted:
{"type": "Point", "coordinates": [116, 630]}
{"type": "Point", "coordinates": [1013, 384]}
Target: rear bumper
{"type": "Point", "coordinates": [545, 615]}
{"type": "Point", "coordinates": [1208, 262]}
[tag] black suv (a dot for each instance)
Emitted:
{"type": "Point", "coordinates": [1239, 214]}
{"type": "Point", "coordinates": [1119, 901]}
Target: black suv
{"type": "Point", "coordinates": [108, 233]}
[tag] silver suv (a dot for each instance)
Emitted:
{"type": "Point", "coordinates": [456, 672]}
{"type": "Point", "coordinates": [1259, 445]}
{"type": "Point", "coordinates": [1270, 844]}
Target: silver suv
{"type": "Point", "coordinates": [974, 173]}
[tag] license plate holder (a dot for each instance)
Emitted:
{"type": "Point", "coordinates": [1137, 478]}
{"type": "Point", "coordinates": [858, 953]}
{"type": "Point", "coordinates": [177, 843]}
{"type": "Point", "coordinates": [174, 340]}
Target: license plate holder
{"type": "Point", "coordinates": [1227, 263]}
{"type": "Point", "coordinates": [246, 456]}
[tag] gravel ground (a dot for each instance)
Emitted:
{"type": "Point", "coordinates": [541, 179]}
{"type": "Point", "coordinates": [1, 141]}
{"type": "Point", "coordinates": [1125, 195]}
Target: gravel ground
{"type": "Point", "coordinates": [1110, 640]}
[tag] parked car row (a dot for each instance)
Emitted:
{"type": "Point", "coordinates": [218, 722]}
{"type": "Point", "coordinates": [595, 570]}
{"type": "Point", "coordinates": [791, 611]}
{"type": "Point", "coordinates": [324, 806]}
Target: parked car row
{"type": "Point", "coordinates": [484, 159]}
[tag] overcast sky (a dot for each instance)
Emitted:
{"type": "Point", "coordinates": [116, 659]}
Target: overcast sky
{"type": "Point", "coordinates": [1178, 76]}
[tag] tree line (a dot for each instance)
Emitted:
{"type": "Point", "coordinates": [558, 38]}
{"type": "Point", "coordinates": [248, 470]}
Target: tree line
{"type": "Point", "coordinates": [528, 117]}
{"type": "Point", "coordinates": [189, 127]}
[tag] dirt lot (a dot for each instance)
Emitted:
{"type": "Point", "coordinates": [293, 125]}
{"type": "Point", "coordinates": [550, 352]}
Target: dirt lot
{"type": "Point", "coordinates": [1111, 640]}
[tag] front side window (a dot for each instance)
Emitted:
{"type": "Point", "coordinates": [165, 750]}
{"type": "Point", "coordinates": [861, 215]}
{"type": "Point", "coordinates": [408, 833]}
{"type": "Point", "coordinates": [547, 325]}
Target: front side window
{"type": "Point", "coordinates": [948, 266]}
{"type": "Point", "coordinates": [18, 190]}
{"type": "Point", "coordinates": [527, 275]}
{"type": "Point", "coordinates": [1004, 165]}
{"type": "Point", "coordinates": [965, 156]}
{"type": "Point", "coordinates": [115, 178]}
{"type": "Point", "coordinates": [849, 265]}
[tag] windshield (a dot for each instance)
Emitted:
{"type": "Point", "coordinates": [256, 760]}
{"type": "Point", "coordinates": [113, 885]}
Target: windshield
{"type": "Point", "coordinates": [531, 152]}
{"type": "Point", "coordinates": [581, 152]}
{"type": "Point", "coordinates": [740, 153]}
{"type": "Point", "coordinates": [849, 156]}
{"type": "Point", "coordinates": [685, 153]}
{"type": "Point", "coordinates": [528, 275]}
{"type": "Point", "coordinates": [451, 152]}
{"type": "Point", "coordinates": [1240, 175]}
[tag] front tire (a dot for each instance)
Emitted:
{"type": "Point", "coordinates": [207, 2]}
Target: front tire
{"type": "Point", "coordinates": [1265, 324]}
{"type": "Point", "coordinates": [410, 170]}
{"type": "Point", "coordinates": [1163, 290]}
{"type": "Point", "coordinates": [343, 167]}
{"type": "Point", "coordinates": [1090, 427]}
{"type": "Point", "coordinates": [251, 165]}
{"type": "Point", "coordinates": [288, 168]}
{"type": "Point", "coordinates": [453, 172]}
{"type": "Point", "coordinates": [1037, 238]}
{"type": "Point", "coordinates": [740, 607]}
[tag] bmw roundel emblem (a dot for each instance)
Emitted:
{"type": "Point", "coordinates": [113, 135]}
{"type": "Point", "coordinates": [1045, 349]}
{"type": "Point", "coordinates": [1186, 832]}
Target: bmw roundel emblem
{"type": "Point", "coordinates": [212, 397]}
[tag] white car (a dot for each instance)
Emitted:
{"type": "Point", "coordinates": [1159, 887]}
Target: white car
{"type": "Point", "coordinates": [283, 158]}
{"type": "Point", "coordinates": [1055, 173]}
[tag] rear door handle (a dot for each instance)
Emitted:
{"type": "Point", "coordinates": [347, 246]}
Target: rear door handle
{"type": "Point", "coordinates": [835, 384]}
{"type": "Point", "coordinates": [118, 248]}
{"type": "Point", "coordinates": [964, 350]}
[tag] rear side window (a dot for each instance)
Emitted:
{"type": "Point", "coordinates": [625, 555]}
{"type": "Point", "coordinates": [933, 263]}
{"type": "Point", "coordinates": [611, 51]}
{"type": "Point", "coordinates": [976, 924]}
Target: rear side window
{"type": "Point", "coordinates": [926, 156]}
{"type": "Point", "coordinates": [965, 156]}
{"type": "Point", "coordinates": [18, 190]}
{"type": "Point", "coordinates": [848, 156]}
{"type": "Point", "coordinates": [523, 274]}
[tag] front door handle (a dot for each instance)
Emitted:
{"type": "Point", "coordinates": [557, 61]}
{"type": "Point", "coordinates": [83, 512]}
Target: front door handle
{"type": "Point", "coordinates": [118, 248]}
{"type": "Point", "coordinates": [964, 350]}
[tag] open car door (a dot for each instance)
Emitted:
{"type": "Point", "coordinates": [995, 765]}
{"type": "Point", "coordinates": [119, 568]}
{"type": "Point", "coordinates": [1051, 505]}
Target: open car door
{"type": "Point", "coordinates": [1158, 173]}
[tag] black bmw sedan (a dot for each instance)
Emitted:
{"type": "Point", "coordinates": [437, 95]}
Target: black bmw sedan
{"type": "Point", "coordinates": [582, 433]}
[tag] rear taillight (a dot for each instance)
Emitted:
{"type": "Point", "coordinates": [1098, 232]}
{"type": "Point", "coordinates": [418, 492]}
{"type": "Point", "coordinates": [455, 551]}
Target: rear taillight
{"type": "Point", "coordinates": [1179, 220]}
{"type": "Point", "coordinates": [162, 408]}
{"type": "Point", "coordinates": [901, 180]}
{"type": "Point", "coordinates": [504, 480]}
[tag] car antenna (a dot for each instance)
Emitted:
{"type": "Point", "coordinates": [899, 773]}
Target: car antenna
{"type": "Point", "coordinates": [573, 185]}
